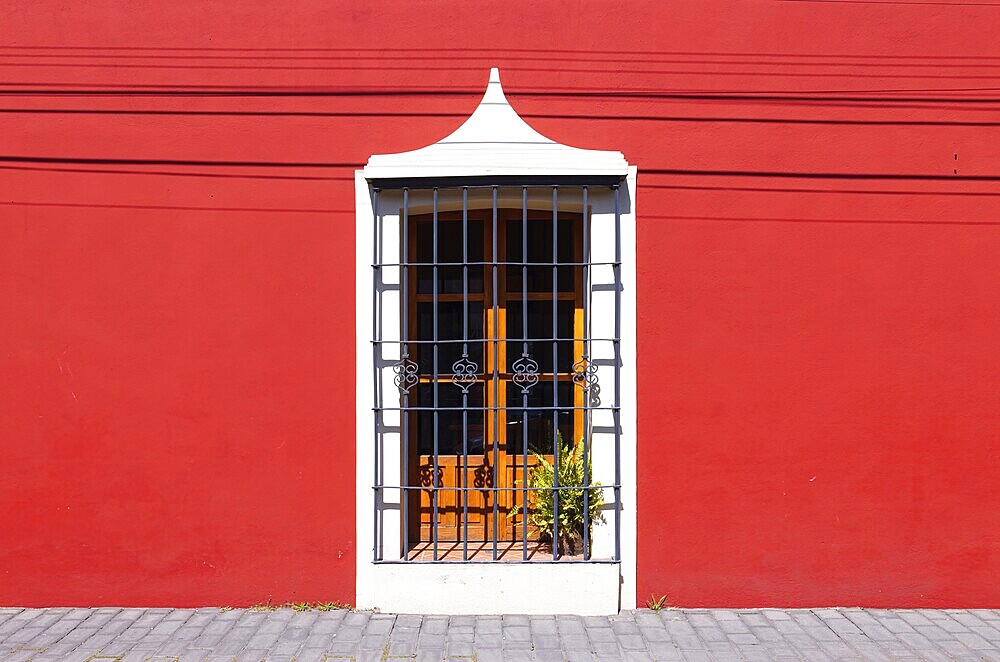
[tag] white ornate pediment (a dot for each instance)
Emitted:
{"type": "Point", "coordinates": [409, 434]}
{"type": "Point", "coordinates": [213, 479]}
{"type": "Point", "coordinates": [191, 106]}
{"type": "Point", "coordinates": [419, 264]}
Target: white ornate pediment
{"type": "Point", "coordinates": [495, 142]}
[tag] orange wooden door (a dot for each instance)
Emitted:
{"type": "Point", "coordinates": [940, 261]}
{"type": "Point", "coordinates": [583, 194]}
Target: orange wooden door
{"type": "Point", "coordinates": [480, 424]}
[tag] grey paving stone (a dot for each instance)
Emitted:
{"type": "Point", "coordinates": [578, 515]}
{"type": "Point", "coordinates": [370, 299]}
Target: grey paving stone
{"type": "Point", "coordinates": [755, 619]}
{"type": "Point", "coordinates": [543, 626]}
{"type": "Point", "coordinates": [396, 648]}
{"type": "Point", "coordinates": [733, 626]}
{"type": "Point", "coordinates": [515, 619]}
{"type": "Point", "coordinates": [744, 639]}
{"type": "Point", "coordinates": [342, 648]}
{"type": "Point", "coordinates": [432, 640]}
{"type": "Point", "coordinates": [679, 627]}
{"type": "Point", "coordinates": [575, 642]}
{"type": "Point", "coordinates": [517, 655]}
{"type": "Point", "coordinates": [545, 641]}
{"type": "Point", "coordinates": [950, 625]}
{"type": "Point", "coordinates": [434, 625]}
{"type": "Point", "coordinates": [756, 653]}
{"type": "Point", "coordinates": [632, 642]}
{"type": "Point", "coordinates": [601, 634]}
{"type": "Point", "coordinates": [625, 627]}
{"type": "Point", "coordinates": [349, 633]}
{"type": "Point", "coordinates": [776, 614]}
{"type": "Point", "coordinates": [664, 651]}
{"type": "Point", "coordinates": [459, 649]}
{"type": "Point", "coordinates": [806, 618]}
{"type": "Point", "coordinates": [516, 633]}
{"type": "Point", "coordinates": [689, 642]}
{"type": "Point", "coordinates": [571, 627]}
{"type": "Point", "coordinates": [896, 625]}
{"type": "Point", "coordinates": [659, 633]}
{"type": "Point", "coordinates": [647, 618]}
{"type": "Point", "coordinates": [986, 614]}
{"type": "Point", "coordinates": [973, 641]}
{"type": "Point", "coordinates": [370, 642]}
{"type": "Point", "coordinates": [716, 647]}
{"type": "Point", "coordinates": [489, 625]}
{"type": "Point", "coordinates": [488, 640]}
{"type": "Point", "coordinates": [724, 615]}
{"type": "Point", "coordinates": [595, 621]}
{"type": "Point", "coordinates": [933, 632]}
{"type": "Point", "coordinates": [23, 635]}
{"type": "Point", "coordinates": [489, 655]}
{"type": "Point", "coordinates": [605, 647]}
{"type": "Point", "coordinates": [877, 632]}
{"type": "Point", "coordinates": [309, 655]}
{"type": "Point", "coordinates": [461, 634]}
{"type": "Point", "coordinates": [359, 619]}
{"type": "Point", "coordinates": [701, 620]}
{"type": "Point", "coordinates": [953, 647]}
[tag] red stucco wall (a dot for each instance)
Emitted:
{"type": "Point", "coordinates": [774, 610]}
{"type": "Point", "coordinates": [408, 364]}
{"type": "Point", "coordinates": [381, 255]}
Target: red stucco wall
{"type": "Point", "coordinates": [818, 295]}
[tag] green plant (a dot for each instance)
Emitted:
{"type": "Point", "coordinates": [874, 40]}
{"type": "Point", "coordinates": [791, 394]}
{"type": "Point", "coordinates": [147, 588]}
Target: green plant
{"type": "Point", "coordinates": [300, 606]}
{"type": "Point", "coordinates": [656, 604]}
{"type": "Point", "coordinates": [572, 517]}
{"type": "Point", "coordinates": [331, 606]}
{"type": "Point", "coordinates": [264, 606]}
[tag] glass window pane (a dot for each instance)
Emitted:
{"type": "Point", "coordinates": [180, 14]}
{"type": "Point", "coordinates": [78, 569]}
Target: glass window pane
{"type": "Point", "coordinates": [450, 321]}
{"type": "Point", "coordinates": [540, 250]}
{"type": "Point", "coordinates": [539, 421]}
{"type": "Point", "coordinates": [451, 430]}
{"type": "Point", "coordinates": [449, 252]}
{"type": "Point", "coordinates": [540, 329]}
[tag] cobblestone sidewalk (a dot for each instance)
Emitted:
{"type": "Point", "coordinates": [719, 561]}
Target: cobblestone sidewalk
{"type": "Point", "coordinates": [179, 635]}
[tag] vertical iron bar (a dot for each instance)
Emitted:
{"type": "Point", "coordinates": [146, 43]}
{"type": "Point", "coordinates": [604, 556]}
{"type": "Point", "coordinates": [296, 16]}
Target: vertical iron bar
{"type": "Point", "coordinates": [376, 349]}
{"type": "Point", "coordinates": [617, 345]}
{"type": "Point", "coordinates": [587, 385]}
{"type": "Point", "coordinates": [463, 474]}
{"type": "Point", "coordinates": [496, 381]}
{"type": "Point", "coordinates": [405, 305]}
{"type": "Point", "coordinates": [434, 317]}
{"type": "Point", "coordinates": [555, 373]}
{"type": "Point", "coordinates": [524, 353]}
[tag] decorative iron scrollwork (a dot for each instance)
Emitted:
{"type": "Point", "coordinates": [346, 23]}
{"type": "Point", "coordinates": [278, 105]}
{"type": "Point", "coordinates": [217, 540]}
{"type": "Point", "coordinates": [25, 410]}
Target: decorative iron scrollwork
{"type": "Point", "coordinates": [427, 476]}
{"type": "Point", "coordinates": [585, 376]}
{"type": "Point", "coordinates": [464, 372]}
{"type": "Point", "coordinates": [482, 476]}
{"type": "Point", "coordinates": [525, 373]}
{"type": "Point", "coordinates": [406, 374]}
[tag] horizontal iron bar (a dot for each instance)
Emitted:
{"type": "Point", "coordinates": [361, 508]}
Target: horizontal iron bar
{"type": "Point", "coordinates": [502, 181]}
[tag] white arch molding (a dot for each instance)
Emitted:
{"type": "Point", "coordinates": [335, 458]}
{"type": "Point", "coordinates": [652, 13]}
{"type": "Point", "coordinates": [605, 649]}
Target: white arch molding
{"type": "Point", "coordinates": [495, 142]}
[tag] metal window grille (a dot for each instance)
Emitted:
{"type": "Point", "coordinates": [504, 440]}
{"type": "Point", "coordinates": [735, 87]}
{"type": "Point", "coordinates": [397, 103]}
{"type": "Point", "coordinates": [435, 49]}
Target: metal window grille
{"type": "Point", "coordinates": [484, 314]}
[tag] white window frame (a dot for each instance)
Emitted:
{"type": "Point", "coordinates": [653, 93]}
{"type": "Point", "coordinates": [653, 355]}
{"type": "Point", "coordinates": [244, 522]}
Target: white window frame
{"type": "Point", "coordinates": [494, 142]}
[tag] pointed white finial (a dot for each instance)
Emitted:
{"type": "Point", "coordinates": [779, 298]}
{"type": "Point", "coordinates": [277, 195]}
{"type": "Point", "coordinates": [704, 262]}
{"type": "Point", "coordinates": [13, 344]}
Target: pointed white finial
{"type": "Point", "coordinates": [494, 91]}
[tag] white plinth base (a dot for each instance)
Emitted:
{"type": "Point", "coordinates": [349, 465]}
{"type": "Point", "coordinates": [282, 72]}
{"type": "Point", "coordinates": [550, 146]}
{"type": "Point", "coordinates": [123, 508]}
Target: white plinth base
{"type": "Point", "coordinates": [587, 589]}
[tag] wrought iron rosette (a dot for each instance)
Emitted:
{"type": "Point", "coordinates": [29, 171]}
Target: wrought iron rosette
{"type": "Point", "coordinates": [463, 373]}
{"type": "Point", "coordinates": [525, 373]}
{"type": "Point", "coordinates": [585, 376]}
{"type": "Point", "coordinates": [406, 374]}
